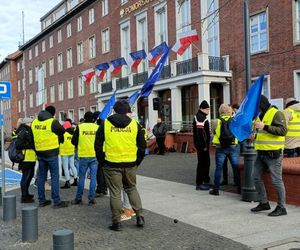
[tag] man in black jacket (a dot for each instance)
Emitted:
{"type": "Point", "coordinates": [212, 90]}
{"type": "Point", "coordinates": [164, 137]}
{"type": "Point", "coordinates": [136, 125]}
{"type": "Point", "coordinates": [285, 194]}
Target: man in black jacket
{"type": "Point", "coordinates": [124, 144]}
{"type": "Point", "coordinates": [201, 132]}
{"type": "Point", "coordinates": [160, 130]}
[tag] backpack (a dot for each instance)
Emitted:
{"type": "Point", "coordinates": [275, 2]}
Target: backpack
{"type": "Point", "coordinates": [226, 137]}
{"type": "Point", "coordinates": [14, 154]}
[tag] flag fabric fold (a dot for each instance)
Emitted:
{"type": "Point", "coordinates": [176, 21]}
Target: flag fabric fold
{"type": "Point", "coordinates": [241, 124]}
{"type": "Point", "coordinates": [133, 98]}
{"type": "Point", "coordinates": [155, 75]}
{"type": "Point", "coordinates": [106, 111]}
{"type": "Point", "coordinates": [88, 74]}
{"type": "Point", "coordinates": [157, 52]}
{"type": "Point", "coordinates": [117, 64]}
{"type": "Point", "coordinates": [101, 70]}
{"type": "Point", "coordinates": [185, 39]}
{"type": "Point", "coordinates": [136, 57]}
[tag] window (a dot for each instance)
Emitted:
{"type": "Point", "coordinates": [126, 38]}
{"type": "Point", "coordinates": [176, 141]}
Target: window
{"type": "Point", "coordinates": [104, 7]}
{"type": "Point", "coordinates": [79, 23]}
{"type": "Point", "coordinates": [51, 66]}
{"type": "Point", "coordinates": [92, 47]}
{"type": "Point", "coordinates": [43, 46]}
{"type": "Point", "coordinates": [125, 45]}
{"type": "Point", "coordinates": [266, 86]}
{"type": "Point", "coordinates": [142, 39]}
{"type": "Point", "coordinates": [212, 29]}
{"type": "Point", "coordinates": [123, 1]}
{"type": "Point", "coordinates": [44, 69]}
{"type": "Point", "coordinates": [93, 109]}
{"type": "Point", "coordinates": [36, 69]}
{"type": "Point", "coordinates": [30, 100]}
{"type": "Point", "coordinates": [91, 16]}
{"type": "Point", "coordinates": [50, 41]}
{"type": "Point", "coordinates": [59, 36]}
{"type": "Point", "coordinates": [19, 106]}
{"type": "Point", "coordinates": [258, 33]}
{"type": "Point", "coordinates": [297, 21]}
{"type": "Point", "coordinates": [30, 76]}
{"type": "Point", "coordinates": [19, 85]}
{"type": "Point", "coordinates": [81, 112]}
{"type": "Point", "coordinates": [62, 116]}
{"type": "Point", "coordinates": [70, 89]}
{"type": "Point", "coordinates": [105, 41]}
{"type": "Point", "coordinates": [69, 58]}
{"type": "Point", "coordinates": [69, 29]}
{"type": "Point", "coordinates": [36, 50]}
{"type": "Point", "coordinates": [71, 114]}
{"type": "Point", "coordinates": [59, 62]}
{"type": "Point", "coordinates": [80, 86]}
{"type": "Point", "coordinates": [52, 94]}
{"type": "Point", "coordinates": [161, 25]}
{"type": "Point", "coordinates": [61, 91]}
{"type": "Point", "coordinates": [18, 66]}
{"type": "Point", "coordinates": [93, 84]}
{"type": "Point", "coordinates": [30, 54]}
{"type": "Point", "coordinates": [80, 53]}
{"type": "Point", "coordinates": [23, 83]}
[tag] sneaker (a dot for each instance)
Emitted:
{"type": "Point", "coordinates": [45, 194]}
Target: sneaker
{"type": "Point", "coordinates": [261, 207]}
{"type": "Point", "coordinates": [115, 226]}
{"type": "Point", "coordinates": [76, 202]}
{"type": "Point", "coordinates": [214, 192]}
{"type": "Point", "coordinates": [45, 203]}
{"type": "Point", "coordinates": [204, 187]}
{"type": "Point", "coordinates": [92, 202]}
{"type": "Point", "coordinates": [125, 215]}
{"type": "Point", "coordinates": [140, 221]}
{"type": "Point", "coordinates": [61, 204]}
{"type": "Point", "coordinates": [278, 211]}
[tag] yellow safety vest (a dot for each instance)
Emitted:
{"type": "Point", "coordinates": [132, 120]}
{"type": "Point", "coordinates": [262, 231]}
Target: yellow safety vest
{"type": "Point", "coordinates": [293, 126]}
{"type": "Point", "coordinates": [67, 148]}
{"type": "Point", "coordinates": [44, 138]}
{"type": "Point", "coordinates": [217, 135]}
{"type": "Point", "coordinates": [86, 141]}
{"type": "Point", "coordinates": [265, 140]}
{"type": "Point", "coordinates": [30, 155]}
{"type": "Point", "coordinates": [120, 143]}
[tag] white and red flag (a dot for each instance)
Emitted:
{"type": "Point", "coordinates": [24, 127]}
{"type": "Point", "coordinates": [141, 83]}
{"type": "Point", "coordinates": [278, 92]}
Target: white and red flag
{"type": "Point", "coordinates": [185, 39]}
{"type": "Point", "coordinates": [88, 74]}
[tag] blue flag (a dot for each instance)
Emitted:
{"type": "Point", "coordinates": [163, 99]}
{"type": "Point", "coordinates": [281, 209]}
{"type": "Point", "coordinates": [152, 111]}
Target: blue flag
{"type": "Point", "coordinates": [133, 98]}
{"type": "Point", "coordinates": [241, 124]}
{"type": "Point", "coordinates": [108, 107]}
{"type": "Point", "coordinates": [155, 75]}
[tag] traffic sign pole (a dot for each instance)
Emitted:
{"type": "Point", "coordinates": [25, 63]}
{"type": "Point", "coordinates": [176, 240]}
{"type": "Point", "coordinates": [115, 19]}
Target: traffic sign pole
{"type": "Point", "coordinates": [2, 151]}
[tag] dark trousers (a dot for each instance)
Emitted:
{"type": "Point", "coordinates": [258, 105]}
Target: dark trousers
{"type": "Point", "coordinates": [27, 175]}
{"type": "Point", "coordinates": [161, 144]}
{"type": "Point", "coordinates": [203, 167]}
{"type": "Point", "coordinates": [101, 183]}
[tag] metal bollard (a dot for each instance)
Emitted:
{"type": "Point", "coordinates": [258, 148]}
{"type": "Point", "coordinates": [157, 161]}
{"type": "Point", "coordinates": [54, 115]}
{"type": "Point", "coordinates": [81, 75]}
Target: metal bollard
{"type": "Point", "coordinates": [29, 224]}
{"type": "Point", "coordinates": [63, 240]}
{"type": "Point", "coordinates": [9, 207]}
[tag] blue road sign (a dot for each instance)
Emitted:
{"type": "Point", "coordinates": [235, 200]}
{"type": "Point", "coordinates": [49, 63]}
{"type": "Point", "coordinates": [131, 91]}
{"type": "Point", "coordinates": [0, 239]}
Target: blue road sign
{"type": "Point", "coordinates": [12, 177]}
{"type": "Point", "coordinates": [5, 91]}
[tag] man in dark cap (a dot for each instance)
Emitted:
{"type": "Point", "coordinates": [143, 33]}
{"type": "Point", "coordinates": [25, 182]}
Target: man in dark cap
{"type": "Point", "coordinates": [160, 130]}
{"type": "Point", "coordinates": [47, 134]}
{"type": "Point", "coordinates": [120, 145]}
{"type": "Point", "coordinates": [269, 143]}
{"type": "Point", "coordinates": [201, 132]}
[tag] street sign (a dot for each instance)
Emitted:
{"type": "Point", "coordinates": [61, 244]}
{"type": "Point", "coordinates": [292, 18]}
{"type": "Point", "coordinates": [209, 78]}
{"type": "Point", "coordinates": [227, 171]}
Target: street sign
{"type": "Point", "coordinates": [5, 91]}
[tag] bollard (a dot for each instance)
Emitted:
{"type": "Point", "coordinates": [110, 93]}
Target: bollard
{"type": "Point", "coordinates": [29, 224]}
{"type": "Point", "coordinates": [9, 207]}
{"type": "Point", "coordinates": [63, 240]}
{"type": "Point", "coordinates": [0, 196]}
{"type": "Point", "coordinates": [249, 192]}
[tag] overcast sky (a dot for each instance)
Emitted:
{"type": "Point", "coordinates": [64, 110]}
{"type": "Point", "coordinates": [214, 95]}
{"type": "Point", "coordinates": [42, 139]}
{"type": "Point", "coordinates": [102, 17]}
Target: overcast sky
{"type": "Point", "coordinates": [11, 21]}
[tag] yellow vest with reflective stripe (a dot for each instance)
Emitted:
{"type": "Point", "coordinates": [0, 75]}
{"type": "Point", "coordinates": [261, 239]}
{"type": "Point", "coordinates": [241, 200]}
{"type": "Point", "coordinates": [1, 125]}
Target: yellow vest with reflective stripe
{"type": "Point", "coordinates": [120, 143]}
{"type": "Point", "coordinates": [67, 148]}
{"type": "Point", "coordinates": [44, 138]}
{"type": "Point", "coordinates": [265, 140]}
{"type": "Point", "coordinates": [217, 135]}
{"type": "Point", "coordinates": [30, 155]}
{"type": "Point", "coordinates": [86, 141]}
{"type": "Point", "coordinates": [293, 126]}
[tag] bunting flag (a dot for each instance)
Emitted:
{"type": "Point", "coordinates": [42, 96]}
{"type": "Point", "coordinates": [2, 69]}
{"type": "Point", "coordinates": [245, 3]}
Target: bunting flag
{"type": "Point", "coordinates": [241, 124]}
{"type": "Point", "coordinates": [88, 74]}
{"type": "Point", "coordinates": [133, 98]}
{"type": "Point", "coordinates": [117, 64]}
{"type": "Point", "coordinates": [101, 70]}
{"type": "Point", "coordinates": [155, 75]}
{"type": "Point", "coordinates": [136, 57]}
{"type": "Point", "coordinates": [185, 39]}
{"type": "Point", "coordinates": [106, 111]}
{"type": "Point", "coordinates": [157, 52]}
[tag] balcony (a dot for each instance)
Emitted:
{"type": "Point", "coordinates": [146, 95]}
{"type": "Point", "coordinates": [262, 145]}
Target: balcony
{"type": "Point", "coordinates": [187, 66]}
{"type": "Point", "coordinates": [106, 87]}
{"type": "Point", "coordinates": [217, 63]}
{"type": "Point", "coordinates": [166, 72]}
{"type": "Point", "coordinates": [140, 78]}
{"type": "Point", "coordinates": [122, 83]}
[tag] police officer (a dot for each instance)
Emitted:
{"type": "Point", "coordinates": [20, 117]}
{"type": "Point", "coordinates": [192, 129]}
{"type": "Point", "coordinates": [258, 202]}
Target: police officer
{"type": "Point", "coordinates": [47, 134]}
{"type": "Point", "coordinates": [84, 139]}
{"type": "Point", "coordinates": [269, 144]}
{"type": "Point", "coordinates": [120, 147]}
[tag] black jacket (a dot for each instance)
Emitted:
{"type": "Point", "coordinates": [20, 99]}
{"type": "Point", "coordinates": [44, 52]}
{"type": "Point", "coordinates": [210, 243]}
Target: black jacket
{"type": "Point", "coordinates": [56, 128]}
{"type": "Point", "coordinates": [119, 121]}
{"type": "Point", "coordinates": [75, 134]}
{"type": "Point", "coordinates": [201, 133]}
{"type": "Point", "coordinates": [24, 137]}
{"type": "Point", "coordinates": [159, 130]}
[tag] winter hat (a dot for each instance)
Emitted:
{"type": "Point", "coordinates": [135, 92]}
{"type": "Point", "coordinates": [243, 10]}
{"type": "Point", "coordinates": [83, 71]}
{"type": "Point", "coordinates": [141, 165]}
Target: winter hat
{"type": "Point", "coordinates": [51, 110]}
{"type": "Point", "coordinates": [96, 115]}
{"type": "Point", "coordinates": [67, 124]}
{"type": "Point", "coordinates": [204, 105]}
{"type": "Point", "coordinates": [88, 117]}
{"type": "Point", "coordinates": [27, 120]}
{"type": "Point", "coordinates": [122, 107]}
{"type": "Point", "coordinates": [290, 101]}
{"type": "Point", "coordinates": [264, 103]}
{"type": "Point", "coordinates": [225, 109]}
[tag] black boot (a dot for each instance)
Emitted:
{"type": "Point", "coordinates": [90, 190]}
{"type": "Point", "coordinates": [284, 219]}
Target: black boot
{"type": "Point", "coordinates": [67, 185]}
{"type": "Point", "coordinates": [74, 183]}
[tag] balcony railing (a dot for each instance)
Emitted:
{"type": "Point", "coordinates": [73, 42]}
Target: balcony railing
{"type": "Point", "coordinates": [166, 72]}
{"type": "Point", "coordinates": [106, 87]}
{"type": "Point", "coordinates": [217, 63]}
{"type": "Point", "coordinates": [122, 83]}
{"type": "Point", "coordinates": [187, 66]}
{"type": "Point", "coordinates": [140, 78]}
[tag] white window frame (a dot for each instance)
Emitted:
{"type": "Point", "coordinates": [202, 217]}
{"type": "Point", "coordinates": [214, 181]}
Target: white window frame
{"type": "Point", "coordinates": [80, 86]}
{"type": "Point", "coordinates": [296, 84]}
{"type": "Point", "coordinates": [61, 117]}
{"type": "Point", "coordinates": [51, 66]}
{"type": "Point", "coordinates": [50, 41]}
{"type": "Point", "coordinates": [70, 89]}
{"type": "Point", "coordinates": [79, 52]}
{"type": "Point", "coordinates": [259, 33]}
{"type": "Point", "coordinates": [71, 114]}
{"type": "Point", "coordinates": [142, 43]}
{"type": "Point", "coordinates": [79, 23]}
{"type": "Point", "coordinates": [44, 67]}
{"type": "Point", "coordinates": [36, 69]}
{"type": "Point", "coordinates": [30, 54]}
{"type": "Point", "coordinates": [19, 85]}
{"type": "Point", "coordinates": [105, 36]}
{"type": "Point", "coordinates": [92, 47]}
{"type": "Point", "coordinates": [81, 112]}
{"type": "Point", "coordinates": [158, 9]}
{"type": "Point", "coordinates": [19, 106]}
{"type": "Point", "coordinates": [36, 50]}
{"type": "Point", "coordinates": [59, 62]}
{"type": "Point", "coordinates": [267, 79]}
{"type": "Point", "coordinates": [91, 16]}
{"type": "Point", "coordinates": [69, 58]}
{"type": "Point", "coordinates": [93, 85]}
{"type": "Point", "coordinates": [52, 94]}
{"type": "Point", "coordinates": [93, 108]}
{"type": "Point", "coordinates": [43, 46]}
{"type": "Point", "coordinates": [30, 76]}
{"type": "Point", "coordinates": [69, 30]}
{"type": "Point", "coordinates": [105, 7]}
{"type": "Point", "coordinates": [18, 66]}
{"type": "Point", "coordinates": [125, 50]}
{"type": "Point", "coordinates": [59, 38]}
{"type": "Point", "coordinates": [60, 91]}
